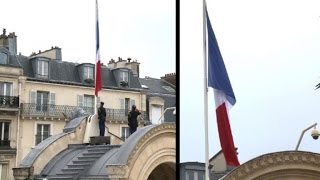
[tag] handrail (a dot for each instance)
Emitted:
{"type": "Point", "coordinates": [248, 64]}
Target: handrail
{"type": "Point", "coordinates": [113, 134]}
{"type": "Point", "coordinates": [164, 112]}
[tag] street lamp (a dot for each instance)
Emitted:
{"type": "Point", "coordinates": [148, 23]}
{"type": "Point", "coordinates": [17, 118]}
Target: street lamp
{"type": "Point", "coordinates": [314, 133]}
{"type": "Point", "coordinates": [174, 113]}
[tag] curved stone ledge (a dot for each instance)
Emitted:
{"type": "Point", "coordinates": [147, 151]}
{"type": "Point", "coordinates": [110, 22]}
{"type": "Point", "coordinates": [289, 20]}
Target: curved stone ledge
{"type": "Point", "coordinates": [278, 165]}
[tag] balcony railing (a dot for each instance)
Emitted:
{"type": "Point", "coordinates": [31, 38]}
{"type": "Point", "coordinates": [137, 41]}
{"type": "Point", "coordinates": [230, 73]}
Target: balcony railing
{"type": "Point", "coordinates": [4, 143]}
{"type": "Point", "coordinates": [9, 101]}
{"type": "Point", "coordinates": [60, 111]}
{"type": "Point", "coordinates": [121, 114]}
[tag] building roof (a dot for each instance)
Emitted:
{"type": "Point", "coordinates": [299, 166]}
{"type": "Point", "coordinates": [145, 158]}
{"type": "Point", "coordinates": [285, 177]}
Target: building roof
{"type": "Point", "coordinates": [166, 91]}
{"type": "Point", "coordinates": [157, 86]}
{"type": "Point", "coordinates": [63, 72]}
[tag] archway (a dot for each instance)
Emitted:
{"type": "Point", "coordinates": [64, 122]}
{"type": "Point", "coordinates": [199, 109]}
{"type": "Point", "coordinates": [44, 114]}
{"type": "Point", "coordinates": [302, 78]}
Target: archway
{"type": "Point", "coordinates": [286, 165]}
{"type": "Point", "coordinates": [163, 171]}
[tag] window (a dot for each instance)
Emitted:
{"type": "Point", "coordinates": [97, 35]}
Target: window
{"type": "Point", "coordinates": [42, 101]}
{"type": "Point", "coordinates": [5, 88]}
{"type": "Point", "coordinates": [3, 58]}
{"type": "Point", "coordinates": [88, 103]}
{"type": "Point", "coordinates": [190, 175]}
{"type": "Point", "coordinates": [124, 76]}
{"type": "Point", "coordinates": [125, 105]}
{"type": "Point", "coordinates": [3, 171]}
{"type": "Point", "coordinates": [88, 72]}
{"type": "Point", "coordinates": [43, 132]}
{"type": "Point", "coordinates": [201, 175]}
{"type": "Point", "coordinates": [124, 133]}
{"type": "Point", "coordinates": [4, 133]}
{"type": "Point", "coordinates": [43, 68]}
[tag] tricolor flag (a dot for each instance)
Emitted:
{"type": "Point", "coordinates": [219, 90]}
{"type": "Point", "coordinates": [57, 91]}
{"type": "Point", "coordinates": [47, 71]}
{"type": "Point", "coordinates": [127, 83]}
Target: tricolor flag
{"type": "Point", "coordinates": [224, 97]}
{"type": "Point", "coordinates": [98, 78]}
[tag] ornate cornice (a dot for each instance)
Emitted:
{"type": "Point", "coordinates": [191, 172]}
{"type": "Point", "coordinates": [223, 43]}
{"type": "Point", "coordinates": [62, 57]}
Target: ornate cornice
{"type": "Point", "coordinates": [275, 161]}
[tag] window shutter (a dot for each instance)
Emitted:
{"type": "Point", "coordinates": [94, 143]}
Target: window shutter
{"type": "Point", "coordinates": [80, 100]}
{"type": "Point", "coordinates": [122, 108]}
{"type": "Point", "coordinates": [98, 103]}
{"type": "Point", "coordinates": [122, 104]}
{"type": "Point", "coordinates": [46, 68]}
{"type": "Point", "coordinates": [33, 97]}
{"type": "Point", "coordinates": [39, 68]}
{"type": "Point", "coordinates": [132, 102]}
{"type": "Point", "coordinates": [52, 98]}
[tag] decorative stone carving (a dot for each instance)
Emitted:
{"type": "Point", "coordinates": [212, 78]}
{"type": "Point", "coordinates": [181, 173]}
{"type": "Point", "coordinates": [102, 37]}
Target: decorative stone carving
{"type": "Point", "coordinates": [122, 171]}
{"type": "Point", "coordinates": [279, 161]}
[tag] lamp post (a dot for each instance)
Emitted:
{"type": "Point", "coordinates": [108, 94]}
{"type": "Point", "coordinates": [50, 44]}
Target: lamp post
{"type": "Point", "coordinates": [174, 113]}
{"type": "Point", "coordinates": [315, 134]}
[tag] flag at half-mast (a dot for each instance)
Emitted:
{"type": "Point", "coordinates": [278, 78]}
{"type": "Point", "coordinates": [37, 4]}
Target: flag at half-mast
{"type": "Point", "coordinates": [224, 97]}
{"type": "Point", "coordinates": [98, 73]}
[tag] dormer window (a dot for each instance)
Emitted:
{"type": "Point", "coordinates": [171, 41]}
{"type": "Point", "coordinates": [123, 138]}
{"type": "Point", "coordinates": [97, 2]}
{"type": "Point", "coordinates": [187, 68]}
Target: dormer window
{"type": "Point", "coordinates": [88, 72]}
{"type": "Point", "coordinates": [124, 78]}
{"type": "Point", "coordinates": [3, 58]}
{"type": "Point", "coordinates": [43, 69]}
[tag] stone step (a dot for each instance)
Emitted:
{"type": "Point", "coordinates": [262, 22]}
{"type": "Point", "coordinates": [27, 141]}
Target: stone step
{"type": "Point", "coordinates": [95, 154]}
{"type": "Point", "coordinates": [77, 169]}
{"type": "Point", "coordinates": [60, 178]}
{"type": "Point", "coordinates": [78, 165]}
{"type": "Point", "coordinates": [68, 173]}
{"type": "Point", "coordinates": [90, 158]}
{"type": "Point", "coordinates": [95, 148]}
{"type": "Point", "coordinates": [84, 161]}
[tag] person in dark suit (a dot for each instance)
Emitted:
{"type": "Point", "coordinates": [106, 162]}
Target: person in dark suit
{"type": "Point", "coordinates": [132, 119]}
{"type": "Point", "coordinates": [102, 118]}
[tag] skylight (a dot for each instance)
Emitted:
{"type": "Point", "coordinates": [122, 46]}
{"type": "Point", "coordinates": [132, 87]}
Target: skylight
{"type": "Point", "coordinates": [168, 88]}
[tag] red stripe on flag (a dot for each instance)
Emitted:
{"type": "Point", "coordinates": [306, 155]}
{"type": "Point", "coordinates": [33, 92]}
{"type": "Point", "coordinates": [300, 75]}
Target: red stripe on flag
{"type": "Point", "coordinates": [98, 81]}
{"type": "Point", "coordinates": [225, 135]}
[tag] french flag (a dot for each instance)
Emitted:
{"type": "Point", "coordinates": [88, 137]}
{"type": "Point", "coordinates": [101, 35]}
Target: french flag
{"type": "Point", "coordinates": [224, 97]}
{"type": "Point", "coordinates": [98, 78]}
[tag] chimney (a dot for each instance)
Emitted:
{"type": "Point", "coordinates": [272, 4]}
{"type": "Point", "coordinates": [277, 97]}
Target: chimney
{"type": "Point", "coordinates": [170, 78]}
{"type": "Point", "coordinates": [54, 53]}
{"type": "Point", "coordinates": [122, 63]}
{"type": "Point", "coordinates": [9, 42]}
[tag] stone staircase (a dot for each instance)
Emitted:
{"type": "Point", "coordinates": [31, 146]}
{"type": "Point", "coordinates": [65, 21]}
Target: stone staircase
{"type": "Point", "coordinates": [80, 164]}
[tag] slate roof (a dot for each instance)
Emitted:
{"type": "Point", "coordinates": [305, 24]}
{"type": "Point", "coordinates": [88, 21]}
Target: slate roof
{"type": "Point", "coordinates": [63, 72]}
{"type": "Point", "coordinates": [155, 89]}
{"type": "Point", "coordinates": [155, 86]}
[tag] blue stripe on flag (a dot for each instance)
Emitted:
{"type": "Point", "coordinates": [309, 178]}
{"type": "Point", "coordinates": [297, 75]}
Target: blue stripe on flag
{"type": "Point", "coordinates": [217, 73]}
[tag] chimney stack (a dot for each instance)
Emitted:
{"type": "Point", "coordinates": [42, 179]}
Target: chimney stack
{"type": "Point", "coordinates": [9, 42]}
{"type": "Point", "coordinates": [170, 78]}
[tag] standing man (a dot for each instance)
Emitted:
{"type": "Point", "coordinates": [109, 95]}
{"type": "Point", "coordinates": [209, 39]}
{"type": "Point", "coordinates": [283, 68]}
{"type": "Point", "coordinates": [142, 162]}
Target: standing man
{"type": "Point", "coordinates": [132, 119]}
{"type": "Point", "coordinates": [102, 118]}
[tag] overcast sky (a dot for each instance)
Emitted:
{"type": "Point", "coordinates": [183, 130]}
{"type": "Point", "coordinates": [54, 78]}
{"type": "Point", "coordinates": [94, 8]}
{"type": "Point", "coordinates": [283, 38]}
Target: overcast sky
{"type": "Point", "coordinates": [140, 29]}
{"type": "Point", "coordinates": [271, 50]}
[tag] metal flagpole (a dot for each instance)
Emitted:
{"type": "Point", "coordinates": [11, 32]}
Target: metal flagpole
{"type": "Point", "coordinates": [205, 89]}
{"type": "Point", "coordinates": [95, 84]}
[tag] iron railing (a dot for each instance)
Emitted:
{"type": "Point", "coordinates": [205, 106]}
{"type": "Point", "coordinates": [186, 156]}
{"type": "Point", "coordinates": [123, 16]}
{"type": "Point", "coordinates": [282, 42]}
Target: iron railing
{"type": "Point", "coordinates": [121, 114]}
{"type": "Point", "coordinates": [63, 111]}
{"type": "Point", "coordinates": [9, 101]}
{"type": "Point", "coordinates": [4, 143]}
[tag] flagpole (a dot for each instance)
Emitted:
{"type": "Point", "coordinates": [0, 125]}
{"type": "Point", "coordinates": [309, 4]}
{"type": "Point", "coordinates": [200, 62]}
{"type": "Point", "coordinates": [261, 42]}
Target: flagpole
{"type": "Point", "coordinates": [205, 97]}
{"type": "Point", "coordinates": [95, 74]}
